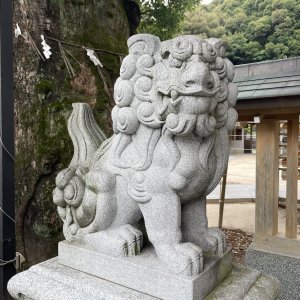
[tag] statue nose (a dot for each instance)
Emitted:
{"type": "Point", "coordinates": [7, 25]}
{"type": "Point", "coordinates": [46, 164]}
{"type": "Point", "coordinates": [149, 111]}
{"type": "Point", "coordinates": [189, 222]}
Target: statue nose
{"type": "Point", "coordinates": [195, 74]}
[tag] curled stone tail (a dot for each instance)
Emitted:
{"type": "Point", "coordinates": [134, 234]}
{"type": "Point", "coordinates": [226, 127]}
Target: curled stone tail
{"type": "Point", "coordinates": [85, 133]}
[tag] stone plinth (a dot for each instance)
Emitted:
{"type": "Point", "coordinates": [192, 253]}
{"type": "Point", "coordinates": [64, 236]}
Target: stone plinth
{"type": "Point", "coordinates": [50, 280]}
{"type": "Point", "coordinates": [247, 284]}
{"type": "Point", "coordinates": [145, 273]}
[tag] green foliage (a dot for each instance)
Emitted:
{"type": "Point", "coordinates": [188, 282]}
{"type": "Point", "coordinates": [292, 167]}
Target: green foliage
{"type": "Point", "coordinates": [255, 30]}
{"type": "Point", "coordinates": [44, 86]}
{"type": "Point", "coordinates": [163, 18]}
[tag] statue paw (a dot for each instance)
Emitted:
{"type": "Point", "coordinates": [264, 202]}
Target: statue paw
{"type": "Point", "coordinates": [185, 259]}
{"type": "Point", "coordinates": [123, 241]}
{"type": "Point", "coordinates": [73, 233]}
{"type": "Point", "coordinates": [133, 238]}
{"type": "Point", "coordinates": [212, 240]}
{"type": "Point", "coordinates": [220, 236]}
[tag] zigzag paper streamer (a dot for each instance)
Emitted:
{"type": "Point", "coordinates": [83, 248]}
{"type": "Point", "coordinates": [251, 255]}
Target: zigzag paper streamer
{"type": "Point", "coordinates": [46, 48]}
{"type": "Point", "coordinates": [18, 31]}
{"type": "Point", "coordinates": [93, 57]}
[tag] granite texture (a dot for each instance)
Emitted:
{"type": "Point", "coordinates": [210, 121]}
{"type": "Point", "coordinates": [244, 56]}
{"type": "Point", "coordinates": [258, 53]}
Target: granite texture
{"type": "Point", "coordinates": [285, 268]}
{"type": "Point", "coordinates": [52, 281]}
{"type": "Point", "coordinates": [145, 273]}
{"type": "Point", "coordinates": [174, 109]}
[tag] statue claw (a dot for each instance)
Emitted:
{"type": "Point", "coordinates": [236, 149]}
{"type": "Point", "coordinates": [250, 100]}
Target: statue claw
{"type": "Point", "coordinates": [212, 241]}
{"type": "Point", "coordinates": [133, 238]}
{"type": "Point", "coordinates": [123, 241]}
{"type": "Point", "coordinates": [220, 236]}
{"type": "Point", "coordinates": [185, 259]}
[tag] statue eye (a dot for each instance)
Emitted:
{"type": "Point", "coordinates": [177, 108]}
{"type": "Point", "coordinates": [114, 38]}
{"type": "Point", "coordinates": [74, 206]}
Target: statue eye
{"type": "Point", "coordinates": [210, 84]}
{"type": "Point", "coordinates": [175, 63]}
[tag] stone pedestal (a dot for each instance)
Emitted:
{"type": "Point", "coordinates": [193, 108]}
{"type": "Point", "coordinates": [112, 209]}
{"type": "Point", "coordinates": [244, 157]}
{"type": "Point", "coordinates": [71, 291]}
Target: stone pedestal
{"type": "Point", "coordinates": [145, 273]}
{"type": "Point", "coordinates": [51, 280]}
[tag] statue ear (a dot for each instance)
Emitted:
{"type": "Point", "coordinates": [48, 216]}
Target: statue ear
{"type": "Point", "coordinates": [220, 46]}
{"type": "Point", "coordinates": [140, 44]}
{"type": "Point", "coordinates": [145, 65]}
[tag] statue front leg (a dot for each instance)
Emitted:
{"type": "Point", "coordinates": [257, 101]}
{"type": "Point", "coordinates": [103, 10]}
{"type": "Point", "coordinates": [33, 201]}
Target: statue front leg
{"type": "Point", "coordinates": [195, 230]}
{"type": "Point", "coordinates": [162, 216]}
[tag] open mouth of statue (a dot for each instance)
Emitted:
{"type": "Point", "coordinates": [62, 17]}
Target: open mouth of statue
{"type": "Point", "coordinates": [187, 91]}
{"type": "Point", "coordinates": [185, 125]}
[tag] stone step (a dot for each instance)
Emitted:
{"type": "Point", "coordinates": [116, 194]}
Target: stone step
{"type": "Point", "coordinates": [52, 281]}
{"type": "Point", "coordinates": [247, 284]}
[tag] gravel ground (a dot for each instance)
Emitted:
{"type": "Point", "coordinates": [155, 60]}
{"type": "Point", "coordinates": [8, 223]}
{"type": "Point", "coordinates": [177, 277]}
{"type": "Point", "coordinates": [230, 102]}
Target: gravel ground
{"type": "Point", "coordinates": [239, 241]}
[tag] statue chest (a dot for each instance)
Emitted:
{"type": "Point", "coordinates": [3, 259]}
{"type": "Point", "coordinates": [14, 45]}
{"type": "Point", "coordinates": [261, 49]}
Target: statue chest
{"type": "Point", "coordinates": [188, 164]}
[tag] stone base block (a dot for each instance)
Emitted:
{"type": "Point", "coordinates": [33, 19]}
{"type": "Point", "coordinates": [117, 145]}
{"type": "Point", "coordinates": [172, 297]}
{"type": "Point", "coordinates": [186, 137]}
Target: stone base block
{"type": "Point", "coordinates": [145, 273]}
{"type": "Point", "coordinates": [247, 284]}
{"type": "Point", "coordinates": [52, 281]}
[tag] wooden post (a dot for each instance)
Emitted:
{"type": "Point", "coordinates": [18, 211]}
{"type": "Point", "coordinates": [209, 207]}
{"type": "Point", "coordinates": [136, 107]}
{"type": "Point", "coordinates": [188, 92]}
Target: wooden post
{"type": "Point", "coordinates": [222, 199]}
{"type": "Point", "coordinates": [7, 184]}
{"type": "Point", "coordinates": [292, 178]}
{"type": "Point", "coordinates": [267, 181]}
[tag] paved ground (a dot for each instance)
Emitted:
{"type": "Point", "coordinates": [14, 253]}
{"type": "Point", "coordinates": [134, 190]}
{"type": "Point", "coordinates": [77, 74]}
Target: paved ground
{"type": "Point", "coordinates": [241, 185]}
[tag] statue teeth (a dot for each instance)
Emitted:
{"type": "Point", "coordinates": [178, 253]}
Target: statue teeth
{"type": "Point", "coordinates": [174, 94]}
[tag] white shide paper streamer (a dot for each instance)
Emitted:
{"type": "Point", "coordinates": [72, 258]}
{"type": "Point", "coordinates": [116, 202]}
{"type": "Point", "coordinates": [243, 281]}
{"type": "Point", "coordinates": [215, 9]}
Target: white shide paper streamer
{"type": "Point", "coordinates": [93, 57]}
{"type": "Point", "coordinates": [46, 48]}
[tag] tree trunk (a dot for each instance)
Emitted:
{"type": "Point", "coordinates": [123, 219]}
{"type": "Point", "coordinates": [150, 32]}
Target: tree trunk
{"type": "Point", "coordinates": [44, 93]}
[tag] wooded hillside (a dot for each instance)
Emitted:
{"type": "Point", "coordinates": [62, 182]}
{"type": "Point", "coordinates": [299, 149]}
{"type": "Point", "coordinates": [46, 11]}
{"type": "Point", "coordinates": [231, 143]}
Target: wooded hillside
{"type": "Point", "coordinates": [255, 30]}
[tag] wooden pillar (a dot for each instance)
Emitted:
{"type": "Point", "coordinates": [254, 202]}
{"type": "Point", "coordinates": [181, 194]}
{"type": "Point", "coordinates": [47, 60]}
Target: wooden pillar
{"type": "Point", "coordinates": [267, 181]}
{"type": "Point", "coordinates": [292, 178]}
{"type": "Point", "coordinates": [7, 184]}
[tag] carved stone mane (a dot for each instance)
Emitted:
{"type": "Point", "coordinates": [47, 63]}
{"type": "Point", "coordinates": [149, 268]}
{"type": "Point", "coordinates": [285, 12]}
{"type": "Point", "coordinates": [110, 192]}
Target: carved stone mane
{"type": "Point", "coordinates": [152, 85]}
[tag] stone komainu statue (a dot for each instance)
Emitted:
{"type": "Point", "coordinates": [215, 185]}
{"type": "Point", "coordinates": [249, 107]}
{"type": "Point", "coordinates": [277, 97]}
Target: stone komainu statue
{"type": "Point", "coordinates": [170, 147]}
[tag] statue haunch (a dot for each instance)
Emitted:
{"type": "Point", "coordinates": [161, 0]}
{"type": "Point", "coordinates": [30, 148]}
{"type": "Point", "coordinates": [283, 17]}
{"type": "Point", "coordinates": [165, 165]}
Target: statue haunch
{"type": "Point", "coordinates": [174, 108]}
